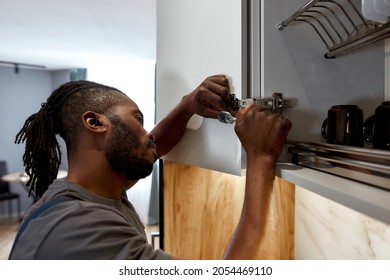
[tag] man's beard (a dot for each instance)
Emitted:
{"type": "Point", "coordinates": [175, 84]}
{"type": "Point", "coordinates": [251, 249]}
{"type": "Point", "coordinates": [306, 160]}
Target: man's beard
{"type": "Point", "coordinates": [122, 152]}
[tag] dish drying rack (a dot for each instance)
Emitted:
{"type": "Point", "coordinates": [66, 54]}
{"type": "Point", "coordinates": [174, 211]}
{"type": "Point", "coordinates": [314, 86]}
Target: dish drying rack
{"type": "Point", "coordinates": [340, 26]}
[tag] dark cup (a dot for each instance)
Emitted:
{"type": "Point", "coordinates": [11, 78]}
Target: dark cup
{"type": "Point", "coordinates": [344, 126]}
{"type": "Point", "coordinates": [377, 127]}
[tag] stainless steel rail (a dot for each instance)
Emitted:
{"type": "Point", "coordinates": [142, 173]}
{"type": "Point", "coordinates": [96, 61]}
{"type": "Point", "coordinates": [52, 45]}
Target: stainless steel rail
{"type": "Point", "coordinates": [370, 166]}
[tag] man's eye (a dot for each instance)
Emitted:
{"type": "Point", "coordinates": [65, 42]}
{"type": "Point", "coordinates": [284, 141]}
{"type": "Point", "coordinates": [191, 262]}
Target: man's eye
{"type": "Point", "coordinates": [140, 119]}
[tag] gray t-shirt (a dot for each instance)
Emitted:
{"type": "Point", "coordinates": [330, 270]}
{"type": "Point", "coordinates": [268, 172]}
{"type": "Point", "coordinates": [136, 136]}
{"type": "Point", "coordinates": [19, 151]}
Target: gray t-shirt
{"type": "Point", "coordinates": [86, 227]}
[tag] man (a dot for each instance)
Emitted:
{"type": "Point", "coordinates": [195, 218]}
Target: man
{"type": "Point", "coordinates": [88, 216]}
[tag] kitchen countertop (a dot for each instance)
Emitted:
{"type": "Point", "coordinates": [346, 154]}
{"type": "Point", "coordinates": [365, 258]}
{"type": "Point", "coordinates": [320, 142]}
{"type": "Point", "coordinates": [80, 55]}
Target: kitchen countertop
{"type": "Point", "coordinates": [366, 199]}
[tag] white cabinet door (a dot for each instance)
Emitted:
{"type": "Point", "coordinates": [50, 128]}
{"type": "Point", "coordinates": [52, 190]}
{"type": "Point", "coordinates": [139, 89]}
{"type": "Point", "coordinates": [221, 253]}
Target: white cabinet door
{"type": "Point", "coordinates": [196, 39]}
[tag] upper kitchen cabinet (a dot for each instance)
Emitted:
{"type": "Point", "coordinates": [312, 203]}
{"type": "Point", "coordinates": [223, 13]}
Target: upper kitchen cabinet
{"type": "Point", "coordinates": [293, 63]}
{"type": "Point", "coordinates": [197, 39]}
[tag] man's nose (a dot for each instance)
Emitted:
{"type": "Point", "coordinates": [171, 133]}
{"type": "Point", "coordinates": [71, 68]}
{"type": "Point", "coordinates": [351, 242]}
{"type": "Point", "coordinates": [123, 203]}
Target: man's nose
{"type": "Point", "coordinates": [151, 137]}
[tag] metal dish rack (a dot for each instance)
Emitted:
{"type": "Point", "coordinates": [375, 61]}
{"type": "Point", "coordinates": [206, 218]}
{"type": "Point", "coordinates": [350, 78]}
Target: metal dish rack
{"type": "Point", "coordinates": [367, 165]}
{"type": "Point", "coordinates": [340, 26]}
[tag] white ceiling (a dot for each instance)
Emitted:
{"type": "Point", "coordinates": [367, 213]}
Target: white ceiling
{"type": "Point", "coordinates": [75, 33]}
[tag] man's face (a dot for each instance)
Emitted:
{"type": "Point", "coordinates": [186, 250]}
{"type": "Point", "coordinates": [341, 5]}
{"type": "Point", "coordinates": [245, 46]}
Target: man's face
{"type": "Point", "coordinates": [130, 150]}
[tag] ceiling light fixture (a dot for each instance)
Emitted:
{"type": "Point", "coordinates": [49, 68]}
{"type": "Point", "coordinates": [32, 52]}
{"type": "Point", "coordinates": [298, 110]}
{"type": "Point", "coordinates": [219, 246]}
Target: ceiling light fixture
{"type": "Point", "coordinates": [17, 65]}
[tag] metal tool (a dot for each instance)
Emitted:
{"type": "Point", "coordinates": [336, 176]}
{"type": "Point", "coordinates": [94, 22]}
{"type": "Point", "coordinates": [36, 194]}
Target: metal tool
{"type": "Point", "coordinates": [275, 103]}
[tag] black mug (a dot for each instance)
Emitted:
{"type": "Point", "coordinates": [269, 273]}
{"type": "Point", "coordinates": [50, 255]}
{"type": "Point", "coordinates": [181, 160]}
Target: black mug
{"type": "Point", "coordinates": [344, 126]}
{"type": "Point", "coordinates": [377, 127]}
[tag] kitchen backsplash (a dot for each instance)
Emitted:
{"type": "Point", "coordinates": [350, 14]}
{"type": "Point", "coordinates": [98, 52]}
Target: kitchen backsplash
{"type": "Point", "coordinates": [327, 230]}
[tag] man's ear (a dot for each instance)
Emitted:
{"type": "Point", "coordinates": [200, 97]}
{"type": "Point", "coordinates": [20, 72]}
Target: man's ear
{"type": "Point", "coordinates": [95, 122]}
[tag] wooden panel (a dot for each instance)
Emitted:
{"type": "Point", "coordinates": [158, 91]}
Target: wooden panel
{"type": "Point", "coordinates": [202, 208]}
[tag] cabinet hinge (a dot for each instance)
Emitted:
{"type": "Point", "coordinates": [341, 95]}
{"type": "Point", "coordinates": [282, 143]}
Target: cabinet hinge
{"type": "Point", "coordinates": [275, 103]}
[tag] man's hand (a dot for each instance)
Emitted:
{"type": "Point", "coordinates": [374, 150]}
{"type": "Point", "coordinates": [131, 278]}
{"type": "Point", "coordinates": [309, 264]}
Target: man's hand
{"type": "Point", "coordinates": [207, 100]}
{"type": "Point", "coordinates": [210, 97]}
{"type": "Point", "coordinates": [261, 132]}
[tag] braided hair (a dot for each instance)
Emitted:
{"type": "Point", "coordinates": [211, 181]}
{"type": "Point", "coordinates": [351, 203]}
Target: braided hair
{"type": "Point", "coordinates": [60, 114]}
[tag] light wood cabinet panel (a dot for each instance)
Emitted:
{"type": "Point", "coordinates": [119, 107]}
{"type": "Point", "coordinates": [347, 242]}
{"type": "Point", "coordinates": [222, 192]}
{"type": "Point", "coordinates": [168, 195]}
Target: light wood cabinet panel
{"type": "Point", "coordinates": [202, 208]}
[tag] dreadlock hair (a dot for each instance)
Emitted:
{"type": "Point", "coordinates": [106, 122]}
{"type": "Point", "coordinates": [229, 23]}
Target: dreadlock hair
{"type": "Point", "coordinates": [61, 114]}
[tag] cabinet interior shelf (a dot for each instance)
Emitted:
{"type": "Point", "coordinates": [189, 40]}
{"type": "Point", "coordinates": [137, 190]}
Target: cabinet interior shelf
{"type": "Point", "coordinates": [339, 24]}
